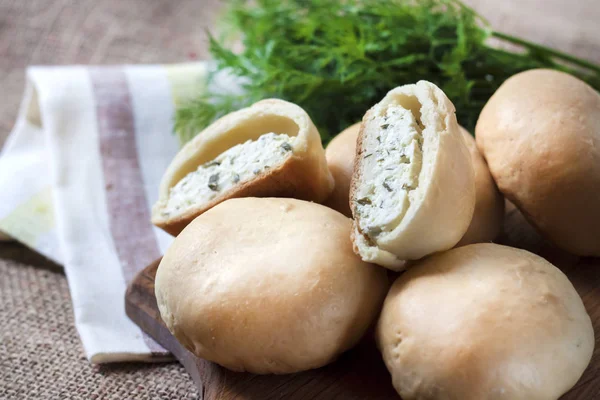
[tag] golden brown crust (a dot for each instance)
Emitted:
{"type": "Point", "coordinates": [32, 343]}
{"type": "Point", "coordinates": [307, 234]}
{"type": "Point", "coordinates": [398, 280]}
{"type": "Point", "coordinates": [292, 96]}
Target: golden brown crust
{"type": "Point", "coordinates": [358, 160]}
{"type": "Point", "coordinates": [488, 216]}
{"type": "Point", "coordinates": [484, 322]}
{"type": "Point", "coordinates": [287, 180]}
{"type": "Point", "coordinates": [540, 135]}
{"type": "Point", "coordinates": [268, 285]}
{"type": "Point", "coordinates": [303, 175]}
{"type": "Point", "coordinates": [340, 159]}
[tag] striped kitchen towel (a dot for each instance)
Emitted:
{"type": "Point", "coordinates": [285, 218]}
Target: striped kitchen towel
{"type": "Point", "coordinates": [78, 176]}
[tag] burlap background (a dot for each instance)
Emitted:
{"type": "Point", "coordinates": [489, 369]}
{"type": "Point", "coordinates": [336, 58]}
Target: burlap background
{"type": "Point", "coordinates": [40, 353]}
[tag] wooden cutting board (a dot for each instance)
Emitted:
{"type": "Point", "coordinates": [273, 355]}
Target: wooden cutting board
{"type": "Point", "coordinates": [359, 373]}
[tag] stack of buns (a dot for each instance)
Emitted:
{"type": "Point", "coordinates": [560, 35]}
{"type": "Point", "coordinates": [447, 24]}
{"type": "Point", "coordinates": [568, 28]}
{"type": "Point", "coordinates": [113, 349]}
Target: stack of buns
{"type": "Point", "coordinates": [263, 278]}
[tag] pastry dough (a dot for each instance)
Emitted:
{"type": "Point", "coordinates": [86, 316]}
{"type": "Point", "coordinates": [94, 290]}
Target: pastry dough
{"type": "Point", "coordinates": [488, 216]}
{"type": "Point", "coordinates": [340, 154]}
{"type": "Point", "coordinates": [413, 190]}
{"type": "Point", "coordinates": [269, 149]}
{"type": "Point", "coordinates": [484, 322]}
{"type": "Point", "coordinates": [268, 285]}
{"type": "Point", "coordinates": [540, 135]}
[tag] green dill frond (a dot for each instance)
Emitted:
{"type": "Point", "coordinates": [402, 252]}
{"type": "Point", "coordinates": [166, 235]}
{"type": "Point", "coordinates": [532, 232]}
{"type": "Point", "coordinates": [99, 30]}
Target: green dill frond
{"type": "Point", "coordinates": [338, 58]}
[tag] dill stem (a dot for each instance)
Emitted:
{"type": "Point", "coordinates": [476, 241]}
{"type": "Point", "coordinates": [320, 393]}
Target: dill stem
{"type": "Point", "coordinates": [547, 50]}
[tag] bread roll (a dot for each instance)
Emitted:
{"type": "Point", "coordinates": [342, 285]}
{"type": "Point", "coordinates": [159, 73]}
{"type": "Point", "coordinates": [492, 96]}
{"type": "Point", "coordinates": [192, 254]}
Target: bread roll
{"type": "Point", "coordinates": [488, 216]}
{"type": "Point", "coordinates": [340, 160]}
{"type": "Point", "coordinates": [268, 286]}
{"type": "Point", "coordinates": [269, 149]}
{"type": "Point", "coordinates": [486, 223]}
{"type": "Point", "coordinates": [540, 135]}
{"type": "Point", "coordinates": [413, 190]}
{"type": "Point", "coordinates": [484, 322]}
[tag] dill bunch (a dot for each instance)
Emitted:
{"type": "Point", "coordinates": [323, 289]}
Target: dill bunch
{"type": "Point", "coordinates": [337, 58]}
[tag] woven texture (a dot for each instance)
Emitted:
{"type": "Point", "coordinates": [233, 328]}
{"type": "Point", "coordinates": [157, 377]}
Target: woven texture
{"type": "Point", "coordinates": [40, 353]}
{"type": "Point", "coordinates": [41, 32]}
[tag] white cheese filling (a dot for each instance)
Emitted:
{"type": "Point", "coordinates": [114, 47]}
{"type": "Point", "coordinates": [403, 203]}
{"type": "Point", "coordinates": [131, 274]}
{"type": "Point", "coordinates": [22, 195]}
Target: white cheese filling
{"type": "Point", "coordinates": [237, 165]}
{"type": "Point", "coordinates": [390, 170]}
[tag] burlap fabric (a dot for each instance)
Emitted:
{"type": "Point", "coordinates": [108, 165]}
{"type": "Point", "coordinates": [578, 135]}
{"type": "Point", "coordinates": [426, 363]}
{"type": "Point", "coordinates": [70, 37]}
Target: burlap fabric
{"type": "Point", "coordinates": [40, 353]}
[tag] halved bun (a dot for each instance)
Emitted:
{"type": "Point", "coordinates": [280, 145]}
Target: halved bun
{"type": "Point", "coordinates": [299, 168]}
{"type": "Point", "coordinates": [413, 190]}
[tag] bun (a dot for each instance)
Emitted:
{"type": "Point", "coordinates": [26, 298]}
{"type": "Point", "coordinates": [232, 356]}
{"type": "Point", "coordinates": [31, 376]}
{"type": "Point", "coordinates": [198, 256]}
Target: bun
{"type": "Point", "coordinates": [269, 149]}
{"type": "Point", "coordinates": [540, 135]}
{"type": "Point", "coordinates": [413, 190]}
{"type": "Point", "coordinates": [488, 216]}
{"type": "Point", "coordinates": [340, 160]}
{"type": "Point", "coordinates": [268, 286]}
{"type": "Point", "coordinates": [484, 322]}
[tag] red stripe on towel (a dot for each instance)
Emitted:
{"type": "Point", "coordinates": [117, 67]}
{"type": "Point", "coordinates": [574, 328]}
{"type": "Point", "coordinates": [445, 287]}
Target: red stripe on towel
{"type": "Point", "coordinates": [128, 211]}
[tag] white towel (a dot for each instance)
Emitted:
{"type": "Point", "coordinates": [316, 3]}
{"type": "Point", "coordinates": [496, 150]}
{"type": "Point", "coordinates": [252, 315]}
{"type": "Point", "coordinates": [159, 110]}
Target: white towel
{"type": "Point", "coordinates": [78, 176]}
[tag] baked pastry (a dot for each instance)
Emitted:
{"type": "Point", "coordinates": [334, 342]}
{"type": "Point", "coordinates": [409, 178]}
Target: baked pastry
{"type": "Point", "coordinates": [484, 322]}
{"type": "Point", "coordinates": [412, 190]}
{"type": "Point", "coordinates": [269, 149]}
{"type": "Point", "coordinates": [486, 223]}
{"type": "Point", "coordinates": [268, 285]}
{"type": "Point", "coordinates": [340, 160]}
{"type": "Point", "coordinates": [488, 216]}
{"type": "Point", "coordinates": [540, 135]}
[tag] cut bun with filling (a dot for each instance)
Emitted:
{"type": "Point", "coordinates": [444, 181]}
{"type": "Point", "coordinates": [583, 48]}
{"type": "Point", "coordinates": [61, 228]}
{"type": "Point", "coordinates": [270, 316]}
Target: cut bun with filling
{"type": "Point", "coordinates": [413, 190]}
{"type": "Point", "coordinates": [269, 149]}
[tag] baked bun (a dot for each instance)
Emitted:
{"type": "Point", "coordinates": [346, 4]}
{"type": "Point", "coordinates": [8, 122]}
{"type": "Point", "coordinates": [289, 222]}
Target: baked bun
{"type": "Point", "coordinates": [488, 216]}
{"type": "Point", "coordinates": [269, 149]}
{"type": "Point", "coordinates": [540, 135]}
{"type": "Point", "coordinates": [268, 285]}
{"type": "Point", "coordinates": [484, 322]}
{"type": "Point", "coordinates": [340, 160]}
{"type": "Point", "coordinates": [413, 190]}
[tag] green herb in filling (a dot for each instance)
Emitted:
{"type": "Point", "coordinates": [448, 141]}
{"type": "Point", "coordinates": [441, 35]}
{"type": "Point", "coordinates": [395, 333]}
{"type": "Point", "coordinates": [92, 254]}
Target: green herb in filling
{"type": "Point", "coordinates": [213, 182]}
{"type": "Point", "coordinates": [211, 164]}
{"type": "Point", "coordinates": [286, 146]}
{"type": "Point", "coordinates": [374, 231]}
{"type": "Point", "coordinates": [364, 201]}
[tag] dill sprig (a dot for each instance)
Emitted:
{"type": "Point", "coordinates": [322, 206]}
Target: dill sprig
{"type": "Point", "coordinates": [338, 58]}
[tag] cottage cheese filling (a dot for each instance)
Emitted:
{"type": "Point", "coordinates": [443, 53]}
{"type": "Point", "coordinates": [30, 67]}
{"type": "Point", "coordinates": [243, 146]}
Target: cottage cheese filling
{"type": "Point", "coordinates": [237, 165]}
{"type": "Point", "coordinates": [390, 171]}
